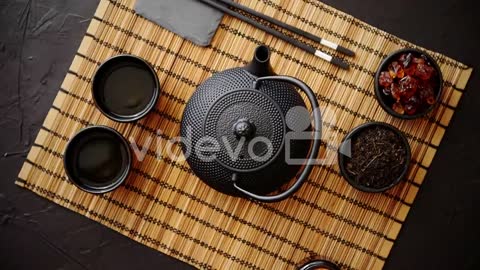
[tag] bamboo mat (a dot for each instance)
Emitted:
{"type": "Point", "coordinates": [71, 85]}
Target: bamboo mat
{"type": "Point", "coordinates": [164, 206]}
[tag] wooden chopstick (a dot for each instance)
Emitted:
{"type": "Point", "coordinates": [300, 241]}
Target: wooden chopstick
{"type": "Point", "coordinates": [331, 59]}
{"type": "Point", "coordinates": [289, 27]}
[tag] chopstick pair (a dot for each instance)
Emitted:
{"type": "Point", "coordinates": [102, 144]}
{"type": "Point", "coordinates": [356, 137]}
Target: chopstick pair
{"type": "Point", "coordinates": [332, 59]}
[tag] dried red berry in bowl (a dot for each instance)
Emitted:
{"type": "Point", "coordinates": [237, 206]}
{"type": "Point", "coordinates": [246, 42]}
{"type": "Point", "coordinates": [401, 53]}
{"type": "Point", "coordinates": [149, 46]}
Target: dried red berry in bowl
{"type": "Point", "coordinates": [396, 70]}
{"type": "Point", "coordinates": [385, 79]}
{"type": "Point", "coordinates": [408, 83]}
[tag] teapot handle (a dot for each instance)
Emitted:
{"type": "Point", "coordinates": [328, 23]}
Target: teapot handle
{"type": "Point", "coordinates": [316, 141]}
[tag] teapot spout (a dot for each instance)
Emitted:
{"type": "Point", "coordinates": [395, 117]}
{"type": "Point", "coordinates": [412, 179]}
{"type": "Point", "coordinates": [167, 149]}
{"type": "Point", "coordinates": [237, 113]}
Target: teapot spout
{"type": "Point", "coordinates": [260, 64]}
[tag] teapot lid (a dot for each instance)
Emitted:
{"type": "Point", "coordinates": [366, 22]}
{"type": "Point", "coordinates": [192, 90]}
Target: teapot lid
{"type": "Point", "coordinates": [248, 126]}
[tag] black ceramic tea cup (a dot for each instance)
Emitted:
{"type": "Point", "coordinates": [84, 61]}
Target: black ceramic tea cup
{"type": "Point", "coordinates": [374, 157]}
{"type": "Point", "coordinates": [385, 98]}
{"type": "Point", "coordinates": [125, 88]}
{"type": "Point", "coordinates": [97, 159]}
{"type": "Point", "coordinates": [318, 264]}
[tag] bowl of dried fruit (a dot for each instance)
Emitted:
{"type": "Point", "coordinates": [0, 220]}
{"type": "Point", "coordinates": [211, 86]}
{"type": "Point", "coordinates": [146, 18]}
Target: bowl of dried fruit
{"type": "Point", "coordinates": [408, 84]}
{"type": "Point", "coordinates": [374, 157]}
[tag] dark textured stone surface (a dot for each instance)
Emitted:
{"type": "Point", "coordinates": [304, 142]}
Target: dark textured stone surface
{"type": "Point", "coordinates": [38, 39]}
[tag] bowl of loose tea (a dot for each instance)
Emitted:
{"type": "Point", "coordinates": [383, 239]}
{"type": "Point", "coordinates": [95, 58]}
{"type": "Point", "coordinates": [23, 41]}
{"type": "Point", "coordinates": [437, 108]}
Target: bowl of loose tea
{"type": "Point", "coordinates": [408, 84]}
{"type": "Point", "coordinates": [374, 157]}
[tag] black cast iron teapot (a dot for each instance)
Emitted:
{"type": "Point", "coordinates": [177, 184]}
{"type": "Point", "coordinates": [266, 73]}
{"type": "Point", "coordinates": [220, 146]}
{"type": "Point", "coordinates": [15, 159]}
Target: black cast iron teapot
{"type": "Point", "coordinates": [238, 126]}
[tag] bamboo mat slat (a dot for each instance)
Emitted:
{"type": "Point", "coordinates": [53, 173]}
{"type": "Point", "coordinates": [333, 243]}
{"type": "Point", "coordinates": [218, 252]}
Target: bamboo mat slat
{"type": "Point", "coordinates": [164, 206]}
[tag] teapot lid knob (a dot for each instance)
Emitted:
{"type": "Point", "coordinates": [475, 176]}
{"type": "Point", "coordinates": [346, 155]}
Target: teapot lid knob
{"type": "Point", "coordinates": [244, 128]}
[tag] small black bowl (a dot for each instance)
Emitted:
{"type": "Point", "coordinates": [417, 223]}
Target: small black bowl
{"type": "Point", "coordinates": [97, 159]}
{"type": "Point", "coordinates": [345, 148]}
{"type": "Point", "coordinates": [125, 88]}
{"type": "Point", "coordinates": [387, 103]}
{"type": "Point", "coordinates": [319, 264]}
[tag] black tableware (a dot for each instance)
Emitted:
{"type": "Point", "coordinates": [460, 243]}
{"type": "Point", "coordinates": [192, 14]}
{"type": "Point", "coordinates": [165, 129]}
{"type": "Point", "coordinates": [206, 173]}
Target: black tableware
{"type": "Point", "coordinates": [382, 149]}
{"type": "Point", "coordinates": [387, 101]}
{"type": "Point", "coordinates": [97, 159]}
{"type": "Point", "coordinates": [125, 88]}
{"type": "Point", "coordinates": [318, 264]}
{"type": "Point", "coordinates": [223, 6]}
{"type": "Point", "coordinates": [289, 27]}
{"type": "Point", "coordinates": [251, 110]}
